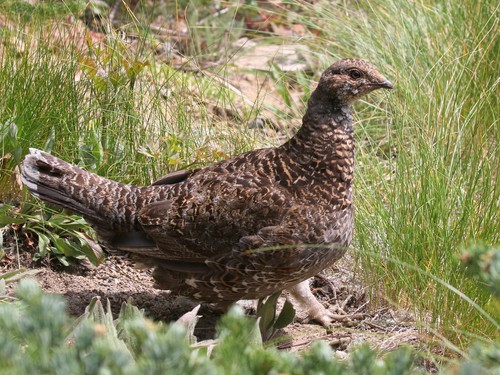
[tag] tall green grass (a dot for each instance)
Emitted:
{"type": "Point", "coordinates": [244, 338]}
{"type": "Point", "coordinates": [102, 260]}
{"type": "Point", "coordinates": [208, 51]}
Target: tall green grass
{"type": "Point", "coordinates": [428, 154]}
{"type": "Point", "coordinates": [108, 107]}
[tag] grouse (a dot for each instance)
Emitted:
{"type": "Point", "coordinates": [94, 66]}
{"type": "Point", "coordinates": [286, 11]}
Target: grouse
{"type": "Point", "coordinates": [243, 228]}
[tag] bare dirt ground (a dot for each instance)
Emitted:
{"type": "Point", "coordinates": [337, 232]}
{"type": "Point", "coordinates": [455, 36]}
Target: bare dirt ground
{"type": "Point", "coordinates": [117, 280]}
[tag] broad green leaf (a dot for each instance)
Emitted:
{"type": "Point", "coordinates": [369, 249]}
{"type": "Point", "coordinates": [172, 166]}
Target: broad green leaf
{"type": "Point", "coordinates": [267, 313]}
{"type": "Point", "coordinates": [67, 247]}
{"type": "Point", "coordinates": [286, 315]}
{"type": "Point", "coordinates": [6, 219]}
{"type": "Point", "coordinates": [43, 244]}
{"type": "Point", "coordinates": [91, 249]}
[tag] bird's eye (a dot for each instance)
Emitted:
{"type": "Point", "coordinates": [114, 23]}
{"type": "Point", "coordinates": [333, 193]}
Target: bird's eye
{"type": "Point", "coordinates": [355, 73]}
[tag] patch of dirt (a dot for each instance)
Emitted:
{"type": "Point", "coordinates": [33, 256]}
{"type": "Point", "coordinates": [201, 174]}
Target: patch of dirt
{"type": "Point", "coordinates": [118, 280]}
{"type": "Point", "coordinates": [340, 288]}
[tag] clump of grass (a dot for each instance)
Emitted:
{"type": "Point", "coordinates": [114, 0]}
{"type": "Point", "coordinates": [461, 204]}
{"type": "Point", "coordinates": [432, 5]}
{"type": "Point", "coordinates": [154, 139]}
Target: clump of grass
{"type": "Point", "coordinates": [119, 113]}
{"type": "Point", "coordinates": [40, 10]}
{"type": "Point", "coordinates": [39, 99]}
{"type": "Point", "coordinates": [428, 154]}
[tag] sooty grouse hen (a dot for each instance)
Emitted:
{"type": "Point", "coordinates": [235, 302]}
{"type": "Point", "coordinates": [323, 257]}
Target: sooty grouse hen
{"type": "Point", "coordinates": [240, 228]}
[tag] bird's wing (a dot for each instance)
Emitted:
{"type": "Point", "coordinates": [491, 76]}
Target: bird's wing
{"type": "Point", "coordinates": [172, 178]}
{"type": "Point", "coordinates": [209, 218]}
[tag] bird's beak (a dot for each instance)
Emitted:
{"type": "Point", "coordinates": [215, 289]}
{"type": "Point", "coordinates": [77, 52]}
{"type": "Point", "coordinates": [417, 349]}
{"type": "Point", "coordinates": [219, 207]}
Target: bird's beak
{"type": "Point", "coordinates": [385, 84]}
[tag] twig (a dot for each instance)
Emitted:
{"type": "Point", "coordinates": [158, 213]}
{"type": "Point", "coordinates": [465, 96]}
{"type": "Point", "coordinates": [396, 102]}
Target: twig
{"type": "Point", "coordinates": [165, 31]}
{"type": "Point", "coordinates": [346, 301]}
{"type": "Point", "coordinates": [216, 14]}
{"type": "Point", "coordinates": [377, 326]}
{"type": "Point", "coordinates": [337, 341]}
{"type": "Point", "coordinates": [360, 307]}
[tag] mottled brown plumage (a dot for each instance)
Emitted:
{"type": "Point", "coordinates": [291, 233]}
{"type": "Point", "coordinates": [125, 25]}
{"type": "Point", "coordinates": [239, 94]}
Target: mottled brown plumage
{"type": "Point", "coordinates": [242, 228]}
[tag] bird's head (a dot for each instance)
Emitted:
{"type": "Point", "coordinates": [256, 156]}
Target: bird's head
{"type": "Point", "coordinates": [349, 79]}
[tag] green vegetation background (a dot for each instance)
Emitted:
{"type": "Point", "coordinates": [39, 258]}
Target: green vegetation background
{"type": "Point", "coordinates": [427, 154]}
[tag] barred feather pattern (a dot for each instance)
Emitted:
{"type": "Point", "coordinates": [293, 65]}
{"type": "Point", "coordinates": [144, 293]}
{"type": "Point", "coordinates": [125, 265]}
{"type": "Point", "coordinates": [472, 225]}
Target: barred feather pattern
{"type": "Point", "coordinates": [245, 227]}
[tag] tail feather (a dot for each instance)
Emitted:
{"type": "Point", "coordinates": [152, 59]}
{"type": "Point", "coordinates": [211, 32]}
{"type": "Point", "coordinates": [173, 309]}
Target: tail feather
{"type": "Point", "coordinates": [105, 203]}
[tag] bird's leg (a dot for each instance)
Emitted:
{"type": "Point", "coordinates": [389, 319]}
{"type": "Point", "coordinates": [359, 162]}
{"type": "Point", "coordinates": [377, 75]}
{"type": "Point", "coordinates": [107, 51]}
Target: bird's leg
{"type": "Point", "coordinates": [315, 310]}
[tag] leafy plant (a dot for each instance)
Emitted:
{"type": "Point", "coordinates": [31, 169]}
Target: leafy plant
{"type": "Point", "coordinates": [37, 336]}
{"type": "Point", "coordinates": [483, 262]}
{"type": "Point", "coordinates": [54, 344]}
{"type": "Point", "coordinates": [9, 141]}
{"type": "Point", "coordinates": [269, 323]}
{"type": "Point", "coordinates": [64, 237]}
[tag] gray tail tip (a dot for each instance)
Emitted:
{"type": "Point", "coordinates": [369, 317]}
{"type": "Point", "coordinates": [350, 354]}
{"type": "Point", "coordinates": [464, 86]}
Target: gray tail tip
{"type": "Point", "coordinates": [35, 151]}
{"type": "Point", "coordinates": [34, 155]}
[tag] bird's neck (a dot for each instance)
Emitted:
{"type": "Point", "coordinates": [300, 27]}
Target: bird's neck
{"type": "Point", "coordinates": [325, 142]}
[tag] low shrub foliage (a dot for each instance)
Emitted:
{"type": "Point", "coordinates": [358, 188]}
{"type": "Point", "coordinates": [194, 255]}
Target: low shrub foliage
{"type": "Point", "coordinates": [38, 337]}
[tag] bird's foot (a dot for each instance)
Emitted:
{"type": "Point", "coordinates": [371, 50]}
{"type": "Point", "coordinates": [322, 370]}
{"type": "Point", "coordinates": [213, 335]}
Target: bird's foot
{"type": "Point", "coordinates": [327, 317]}
{"type": "Point", "coordinates": [302, 294]}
